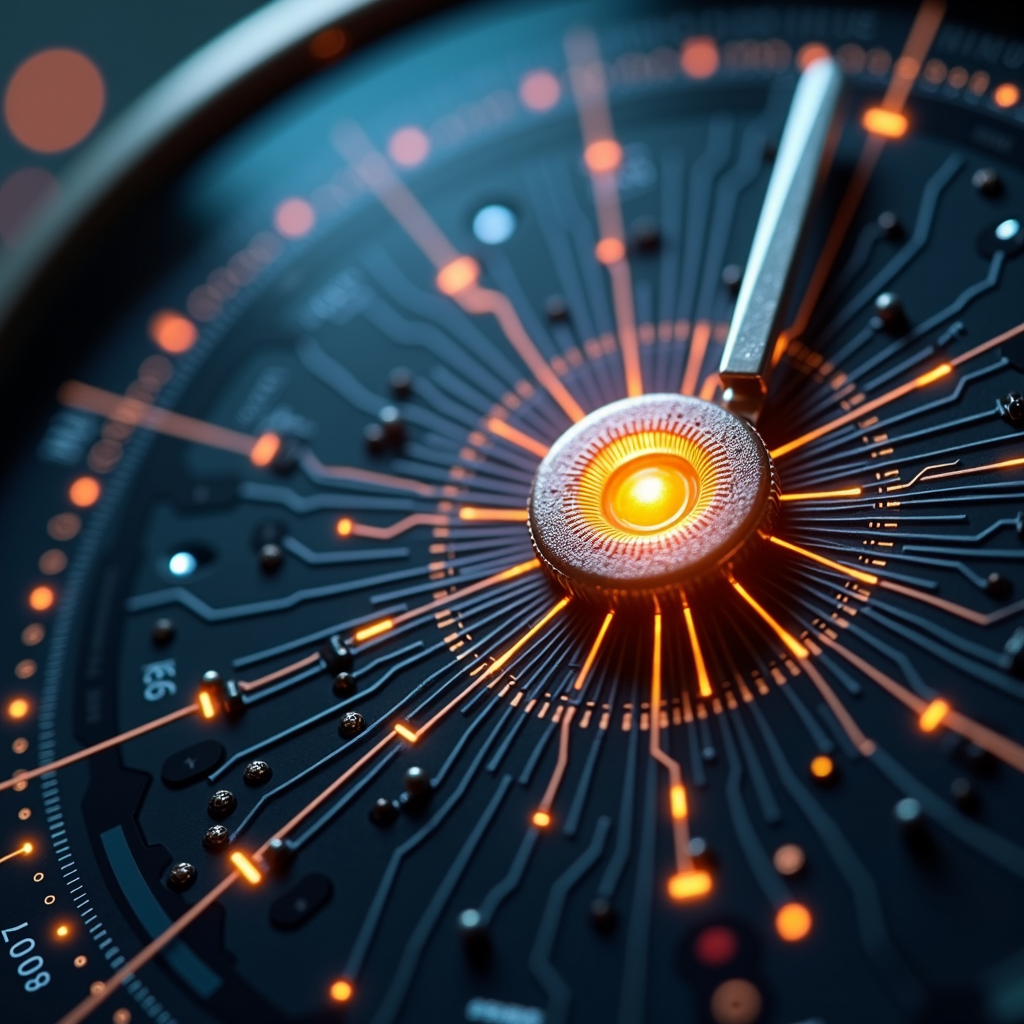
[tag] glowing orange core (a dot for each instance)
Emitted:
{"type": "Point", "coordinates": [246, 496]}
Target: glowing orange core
{"type": "Point", "coordinates": [651, 493]}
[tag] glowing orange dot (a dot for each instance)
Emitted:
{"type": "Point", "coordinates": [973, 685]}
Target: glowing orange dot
{"type": "Point", "coordinates": [294, 218]}
{"type": "Point", "coordinates": [699, 57]}
{"type": "Point", "coordinates": [54, 100]}
{"type": "Point", "coordinates": [18, 708]}
{"type": "Point", "coordinates": [688, 885]}
{"type": "Point", "coordinates": [328, 43]}
{"type": "Point", "coordinates": [809, 53]}
{"type": "Point", "coordinates": [41, 599]}
{"type": "Point", "coordinates": [933, 715]}
{"type": "Point", "coordinates": [458, 275]}
{"type": "Point", "coordinates": [1006, 95]}
{"type": "Point", "coordinates": [609, 250]}
{"type": "Point", "coordinates": [541, 819]}
{"type": "Point", "coordinates": [409, 146]}
{"type": "Point", "coordinates": [85, 491]}
{"type": "Point", "coordinates": [822, 766]}
{"type": "Point", "coordinates": [264, 449]}
{"type": "Point", "coordinates": [344, 527]}
{"type": "Point", "coordinates": [342, 991]}
{"type": "Point", "coordinates": [793, 922]}
{"type": "Point", "coordinates": [648, 495]}
{"type": "Point", "coordinates": [539, 90]}
{"type": "Point", "coordinates": [172, 332]}
{"type": "Point", "coordinates": [890, 124]}
{"type": "Point", "coordinates": [602, 156]}
{"type": "Point", "coordinates": [63, 931]}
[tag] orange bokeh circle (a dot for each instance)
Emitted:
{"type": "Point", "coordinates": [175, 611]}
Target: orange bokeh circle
{"type": "Point", "coordinates": [54, 100]}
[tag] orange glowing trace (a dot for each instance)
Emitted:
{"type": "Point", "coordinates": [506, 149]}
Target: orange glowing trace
{"type": "Point", "coordinates": [84, 492]}
{"type": "Point", "coordinates": [703, 682]}
{"type": "Point", "coordinates": [458, 275]}
{"type": "Point", "coordinates": [933, 715]}
{"type": "Point", "coordinates": [18, 708]}
{"type": "Point", "coordinates": [793, 922]}
{"type": "Point", "coordinates": [341, 991]}
{"type": "Point", "coordinates": [864, 577]}
{"type": "Point", "coordinates": [368, 632]}
{"type": "Point", "coordinates": [405, 732]}
{"type": "Point", "coordinates": [541, 819]}
{"type": "Point", "coordinates": [206, 705]}
{"type": "Point", "coordinates": [246, 868]}
{"type": "Point", "coordinates": [849, 492]}
{"type": "Point", "coordinates": [677, 802]}
{"type": "Point", "coordinates": [890, 124]}
{"type": "Point", "coordinates": [264, 449]}
{"type": "Point", "coordinates": [688, 885]}
{"type": "Point", "coordinates": [794, 645]}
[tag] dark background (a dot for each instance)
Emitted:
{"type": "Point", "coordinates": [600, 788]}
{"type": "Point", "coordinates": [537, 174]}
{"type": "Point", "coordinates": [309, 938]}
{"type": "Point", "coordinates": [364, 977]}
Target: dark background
{"type": "Point", "coordinates": [131, 42]}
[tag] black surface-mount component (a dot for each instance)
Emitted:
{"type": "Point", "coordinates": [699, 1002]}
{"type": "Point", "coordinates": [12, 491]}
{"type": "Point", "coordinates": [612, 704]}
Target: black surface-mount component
{"type": "Point", "coordinates": [1011, 409]}
{"type": "Point", "coordinates": [271, 557]}
{"type": "Point", "coordinates": [374, 437]}
{"type": "Point", "coordinates": [889, 310]}
{"type": "Point", "coordinates": [162, 631]}
{"type": "Point", "coordinates": [279, 855]}
{"type": "Point", "coordinates": [394, 425]}
{"type": "Point", "coordinates": [400, 382]}
{"type": "Point", "coordinates": [987, 181]}
{"type": "Point", "coordinates": [602, 914]}
{"type": "Point", "coordinates": [384, 812]}
{"type": "Point", "coordinates": [889, 224]}
{"type": "Point", "coordinates": [645, 234]}
{"type": "Point", "coordinates": [335, 655]}
{"type": "Point", "coordinates": [343, 684]}
{"type": "Point", "coordinates": [556, 308]}
{"type": "Point", "coordinates": [1013, 653]}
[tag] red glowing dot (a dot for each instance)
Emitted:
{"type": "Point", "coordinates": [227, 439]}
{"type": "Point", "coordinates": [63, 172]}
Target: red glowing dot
{"type": "Point", "coordinates": [1006, 95]}
{"type": "Point", "coordinates": [172, 332]}
{"type": "Point", "coordinates": [539, 90]}
{"type": "Point", "coordinates": [716, 946]}
{"type": "Point", "coordinates": [699, 57]}
{"type": "Point", "coordinates": [609, 250]}
{"type": "Point", "coordinates": [54, 100]}
{"type": "Point", "coordinates": [85, 491]}
{"type": "Point", "coordinates": [294, 218]}
{"type": "Point", "coordinates": [41, 599]}
{"type": "Point", "coordinates": [602, 156]}
{"type": "Point", "coordinates": [409, 146]}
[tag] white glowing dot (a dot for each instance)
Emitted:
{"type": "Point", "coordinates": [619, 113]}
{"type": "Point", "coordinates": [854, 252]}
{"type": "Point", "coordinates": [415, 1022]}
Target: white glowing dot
{"type": "Point", "coordinates": [494, 224]}
{"type": "Point", "coordinates": [1007, 230]}
{"type": "Point", "coordinates": [182, 563]}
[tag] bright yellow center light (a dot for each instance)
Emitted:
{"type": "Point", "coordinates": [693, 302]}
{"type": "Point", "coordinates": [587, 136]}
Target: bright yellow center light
{"type": "Point", "coordinates": [650, 494]}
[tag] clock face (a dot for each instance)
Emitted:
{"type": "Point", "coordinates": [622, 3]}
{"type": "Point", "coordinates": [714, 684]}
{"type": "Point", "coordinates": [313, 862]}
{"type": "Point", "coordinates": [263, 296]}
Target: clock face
{"type": "Point", "coordinates": [404, 621]}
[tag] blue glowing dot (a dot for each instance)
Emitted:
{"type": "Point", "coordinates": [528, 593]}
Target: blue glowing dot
{"type": "Point", "coordinates": [494, 224]}
{"type": "Point", "coordinates": [1008, 229]}
{"type": "Point", "coordinates": [182, 563]}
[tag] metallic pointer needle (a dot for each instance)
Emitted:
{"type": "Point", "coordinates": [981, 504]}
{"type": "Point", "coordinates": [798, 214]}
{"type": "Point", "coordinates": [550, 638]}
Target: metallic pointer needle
{"type": "Point", "coordinates": [804, 153]}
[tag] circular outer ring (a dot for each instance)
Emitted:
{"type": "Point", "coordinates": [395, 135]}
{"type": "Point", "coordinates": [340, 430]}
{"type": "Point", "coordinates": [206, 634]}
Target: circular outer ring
{"type": "Point", "coordinates": [605, 566]}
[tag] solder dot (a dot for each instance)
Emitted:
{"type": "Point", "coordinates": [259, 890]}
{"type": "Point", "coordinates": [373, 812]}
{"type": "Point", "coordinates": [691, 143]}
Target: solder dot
{"type": "Point", "coordinates": [80, 960]}
{"type": "Point", "coordinates": [50, 900]}
{"type": "Point", "coordinates": [122, 1016]}
{"type": "Point", "coordinates": [38, 876]}
{"type": "Point", "coordinates": [736, 1001]}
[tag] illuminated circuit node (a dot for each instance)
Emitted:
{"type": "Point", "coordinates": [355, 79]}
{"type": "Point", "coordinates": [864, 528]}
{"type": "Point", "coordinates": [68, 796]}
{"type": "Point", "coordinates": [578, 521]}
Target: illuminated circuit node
{"type": "Point", "coordinates": [651, 495]}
